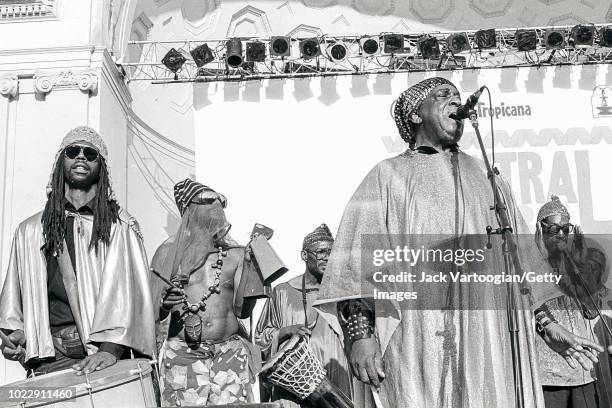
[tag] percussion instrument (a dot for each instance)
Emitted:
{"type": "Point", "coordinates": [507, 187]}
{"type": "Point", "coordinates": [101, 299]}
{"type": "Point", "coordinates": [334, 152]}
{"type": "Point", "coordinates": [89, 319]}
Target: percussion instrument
{"type": "Point", "coordinates": [296, 369]}
{"type": "Point", "coordinates": [128, 383]}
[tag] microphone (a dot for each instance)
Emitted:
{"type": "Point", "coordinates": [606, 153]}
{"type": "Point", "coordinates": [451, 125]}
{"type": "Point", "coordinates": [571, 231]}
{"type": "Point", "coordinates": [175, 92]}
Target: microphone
{"type": "Point", "coordinates": [463, 112]}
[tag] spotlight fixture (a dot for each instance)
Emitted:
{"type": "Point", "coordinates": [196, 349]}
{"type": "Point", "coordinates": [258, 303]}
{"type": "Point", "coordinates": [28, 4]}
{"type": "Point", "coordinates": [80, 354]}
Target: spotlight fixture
{"type": "Point", "coordinates": [583, 35]}
{"type": "Point", "coordinates": [605, 36]}
{"type": "Point", "coordinates": [202, 55]}
{"type": "Point", "coordinates": [280, 46]}
{"type": "Point", "coordinates": [394, 43]}
{"type": "Point", "coordinates": [310, 48]}
{"type": "Point", "coordinates": [554, 39]}
{"type": "Point", "coordinates": [457, 43]}
{"type": "Point", "coordinates": [337, 51]}
{"type": "Point", "coordinates": [174, 60]}
{"type": "Point", "coordinates": [255, 51]}
{"type": "Point", "coordinates": [429, 47]}
{"type": "Point", "coordinates": [526, 40]}
{"type": "Point", "coordinates": [233, 53]}
{"type": "Point", "coordinates": [369, 45]}
{"type": "Point", "coordinates": [485, 39]}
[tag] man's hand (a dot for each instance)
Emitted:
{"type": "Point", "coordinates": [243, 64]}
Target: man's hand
{"type": "Point", "coordinates": [18, 339]}
{"type": "Point", "coordinates": [174, 296]}
{"type": "Point", "coordinates": [573, 348]}
{"type": "Point", "coordinates": [95, 362]}
{"type": "Point", "coordinates": [366, 362]}
{"type": "Point", "coordinates": [286, 332]}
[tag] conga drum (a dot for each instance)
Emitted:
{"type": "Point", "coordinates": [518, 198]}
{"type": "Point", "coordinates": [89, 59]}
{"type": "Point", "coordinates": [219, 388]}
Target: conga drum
{"type": "Point", "coordinates": [296, 369]}
{"type": "Point", "coordinates": [125, 384]}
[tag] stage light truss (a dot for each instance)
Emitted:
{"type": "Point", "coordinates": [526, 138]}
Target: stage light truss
{"type": "Point", "coordinates": [226, 59]}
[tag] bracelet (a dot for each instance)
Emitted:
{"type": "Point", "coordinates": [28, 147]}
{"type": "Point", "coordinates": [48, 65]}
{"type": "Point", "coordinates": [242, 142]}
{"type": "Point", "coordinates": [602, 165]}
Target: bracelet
{"type": "Point", "coordinates": [357, 319]}
{"type": "Point", "coordinates": [360, 326]}
{"type": "Point", "coordinates": [543, 318]}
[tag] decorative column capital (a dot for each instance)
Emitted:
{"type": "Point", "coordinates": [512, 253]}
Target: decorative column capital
{"type": "Point", "coordinates": [9, 85]}
{"type": "Point", "coordinates": [45, 82]}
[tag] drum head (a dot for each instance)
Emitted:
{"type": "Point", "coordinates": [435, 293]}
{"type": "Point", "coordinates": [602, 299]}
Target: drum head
{"type": "Point", "coordinates": [120, 373]}
{"type": "Point", "coordinates": [288, 345]}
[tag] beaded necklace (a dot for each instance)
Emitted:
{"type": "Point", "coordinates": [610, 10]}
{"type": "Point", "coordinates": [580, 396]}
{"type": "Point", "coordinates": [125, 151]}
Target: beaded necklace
{"type": "Point", "coordinates": [193, 321]}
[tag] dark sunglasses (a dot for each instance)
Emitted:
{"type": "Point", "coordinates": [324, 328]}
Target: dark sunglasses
{"type": "Point", "coordinates": [555, 228]}
{"type": "Point", "coordinates": [73, 151]}
{"type": "Point", "coordinates": [207, 200]}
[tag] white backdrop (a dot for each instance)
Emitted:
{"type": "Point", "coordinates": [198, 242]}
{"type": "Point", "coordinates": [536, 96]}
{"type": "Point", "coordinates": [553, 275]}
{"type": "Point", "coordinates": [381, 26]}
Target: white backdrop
{"type": "Point", "coordinates": [290, 153]}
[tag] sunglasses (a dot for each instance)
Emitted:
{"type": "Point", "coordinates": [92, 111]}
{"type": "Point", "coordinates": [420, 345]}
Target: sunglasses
{"type": "Point", "coordinates": [73, 151]}
{"type": "Point", "coordinates": [555, 228]}
{"type": "Point", "coordinates": [206, 198]}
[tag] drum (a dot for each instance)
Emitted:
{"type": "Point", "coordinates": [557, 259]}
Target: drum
{"type": "Point", "coordinates": [125, 384]}
{"type": "Point", "coordinates": [296, 369]}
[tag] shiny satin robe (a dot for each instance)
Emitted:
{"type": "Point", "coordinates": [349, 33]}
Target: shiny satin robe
{"type": "Point", "coordinates": [436, 358]}
{"type": "Point", "coordinates": [113, 297]}
{"type": "Point", "coordinates": [285, 308]}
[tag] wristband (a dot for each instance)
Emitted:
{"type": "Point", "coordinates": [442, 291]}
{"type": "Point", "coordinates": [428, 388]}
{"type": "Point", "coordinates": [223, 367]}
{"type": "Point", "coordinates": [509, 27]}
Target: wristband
{"type": "Point", "coordinates": [543, 318]}
{"type": "Point", "coordinates": [357, 319]}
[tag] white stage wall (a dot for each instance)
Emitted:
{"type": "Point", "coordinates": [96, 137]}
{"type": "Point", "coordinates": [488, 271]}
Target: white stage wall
{"type": "Point", "coordinates": [290, 153]}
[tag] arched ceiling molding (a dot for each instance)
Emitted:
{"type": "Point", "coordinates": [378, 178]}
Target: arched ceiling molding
{"type": "Point", "coordinates": [252, 16]}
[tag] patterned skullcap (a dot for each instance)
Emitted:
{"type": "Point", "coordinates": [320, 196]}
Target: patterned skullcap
{"type": "Point", "coordinates": [83, 134]}
{"type": "Point", "coordinates": [553, 207]}
{"type": "Point", "coordinates": [410, 101]}
{"type": "Point", "coordinates": [186, 190]}
{"type": "Point", "coordinates": [321, 233]}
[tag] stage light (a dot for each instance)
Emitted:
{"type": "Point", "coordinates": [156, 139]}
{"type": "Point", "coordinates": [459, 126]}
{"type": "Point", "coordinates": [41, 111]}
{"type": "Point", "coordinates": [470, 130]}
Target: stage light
{"type": "Point", "coordinates": [174, 60]}
{"type": "Point", "coordinates": [526, 40]}
{"type": "Point", "coordinates": [457, 43]}
{"type": "Point", "coordinates": [202, 55]}
{"type": "Point", "coordinates": [485, 39]}
{"type": "Point", "coordinates": [255, 51]}
{"type": "Point", "coordinates": [233, 53]}
{"type": "Point", "coordinates": [605, 36]}
{"type": "Point", "coordinates": [554, 39]}
{"type": "Point", "coordinates": [429, 47]}
{"type": "Point", "coordinates": [583, 35]}
{"type": "Point", "coordinates": [369, 45]}
{"type": "Point", "coordinates": [280, 46]}
{"type": "Point", "coordinates": [310, 48]}
{"type": "Point", "coordinates": [337, 51]}
{"type": "Point", "coordinates": [394, 43]}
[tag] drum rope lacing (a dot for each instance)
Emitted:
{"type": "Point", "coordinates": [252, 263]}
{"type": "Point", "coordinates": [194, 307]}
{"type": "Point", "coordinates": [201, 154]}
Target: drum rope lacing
{"type": "Point", "coordinates": [298, 370]}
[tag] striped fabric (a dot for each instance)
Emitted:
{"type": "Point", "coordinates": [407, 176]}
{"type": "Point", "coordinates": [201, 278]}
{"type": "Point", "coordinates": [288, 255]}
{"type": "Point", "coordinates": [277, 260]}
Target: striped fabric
{"type": "Point", "coordinates": [185, 191]}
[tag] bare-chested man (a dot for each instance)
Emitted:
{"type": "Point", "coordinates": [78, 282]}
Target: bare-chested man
{"type": "Point", "coordinates": [206, 359]}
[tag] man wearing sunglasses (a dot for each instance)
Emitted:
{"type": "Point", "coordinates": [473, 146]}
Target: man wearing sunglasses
{"type": "Point", "coordinates": [289, 311]}
{"type": "Point", "coordinates": [206, 356]}
{"type": "Point", "coordinates": [76, 292]}
{"type": "Point", "coordinates": [569, 378]}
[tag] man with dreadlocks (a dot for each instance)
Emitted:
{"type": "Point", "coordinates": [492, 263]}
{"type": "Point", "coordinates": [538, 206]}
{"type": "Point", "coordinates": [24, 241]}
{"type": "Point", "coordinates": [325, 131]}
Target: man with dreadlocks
{"type": "Point", "coordinates": [76, 292]}
{"type": "Point", "coordinates": [206, 356]}
{"type": "Point", "coordinates": [448, 346]}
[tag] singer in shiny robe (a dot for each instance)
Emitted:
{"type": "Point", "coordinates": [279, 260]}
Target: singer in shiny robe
{"type": "Point", "coordinates": [419, 357]}
{"type": "Point", "coordinates": [289, 311]}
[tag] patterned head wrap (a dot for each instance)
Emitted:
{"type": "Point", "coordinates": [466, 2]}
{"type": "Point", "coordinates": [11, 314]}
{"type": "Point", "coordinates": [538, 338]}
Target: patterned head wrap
{"type": "Point", "coordinates": [83, 134]}
{"type": "Point", "coordinates": [321, 233]}
{"type": "Point", "coordinates": [186, 190]}
{"type": "Point", "coordinates": [409, 102]}
{"type": "Point", "coordinates": [553, 207]}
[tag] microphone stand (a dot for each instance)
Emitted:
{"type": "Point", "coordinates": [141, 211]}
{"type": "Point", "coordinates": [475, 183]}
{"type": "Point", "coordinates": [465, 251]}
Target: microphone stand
{"type": "Point", "coordinates": [510, 254]}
